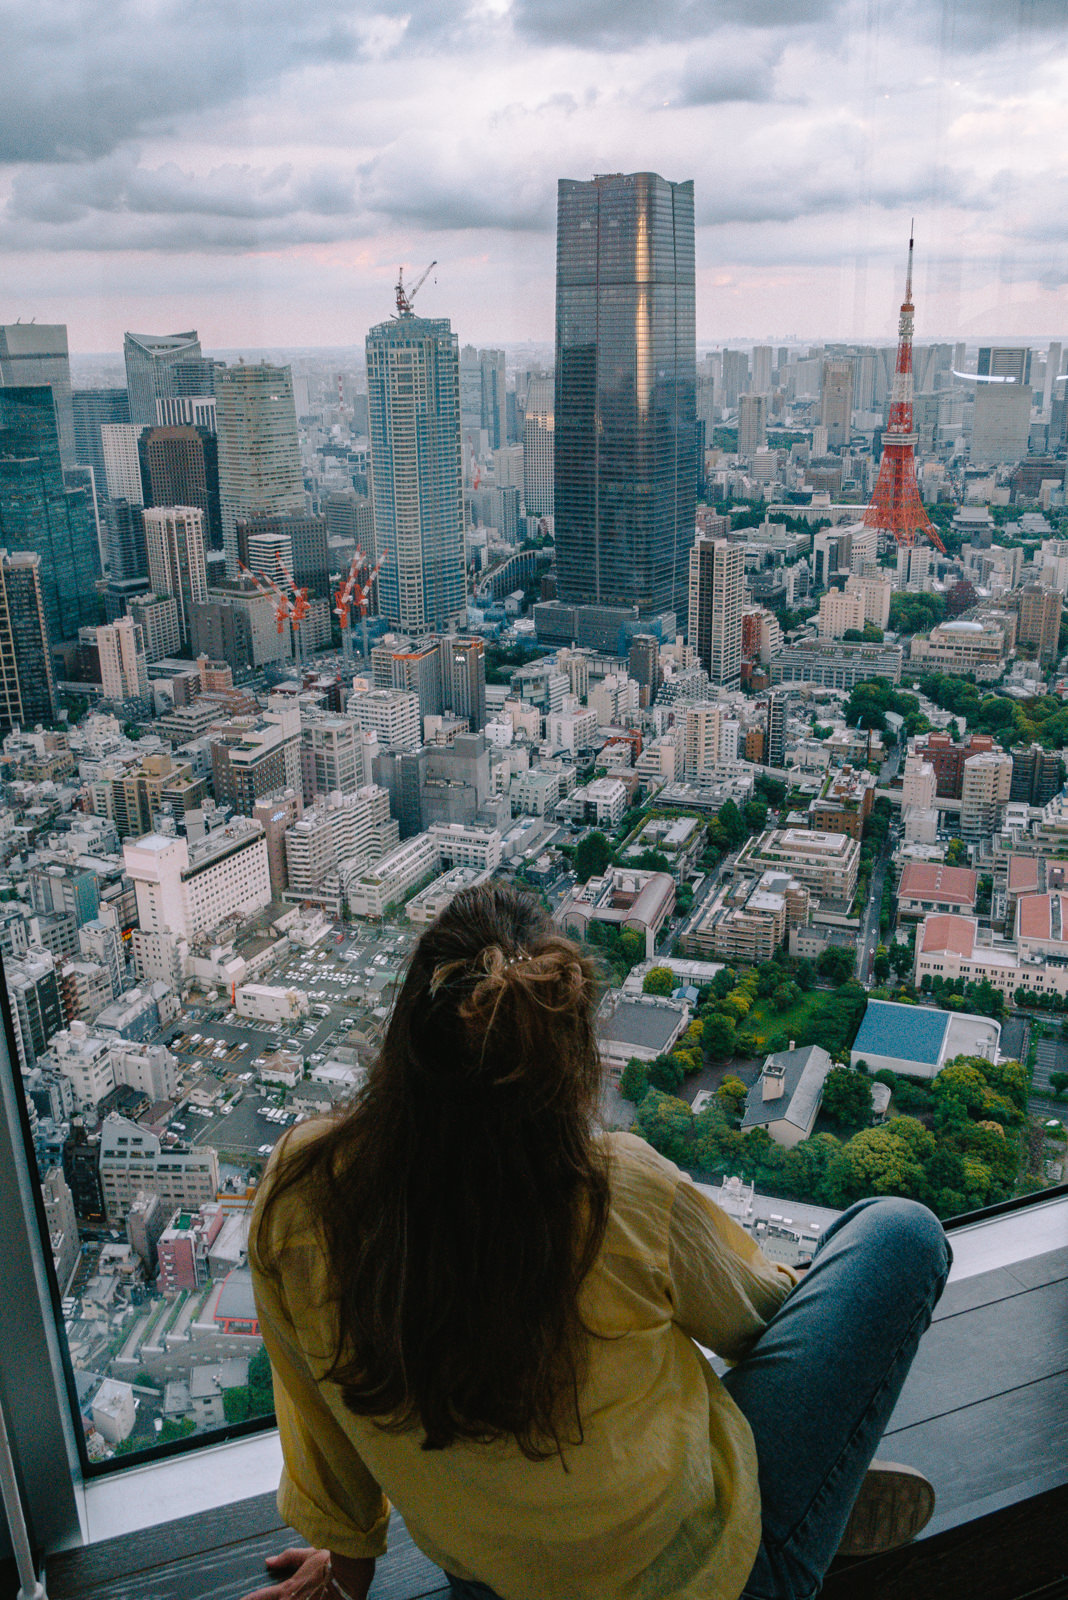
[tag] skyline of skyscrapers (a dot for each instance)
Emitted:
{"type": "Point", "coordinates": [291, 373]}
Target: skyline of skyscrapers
{"type": "Point", "coordinates": [625, 488]}
{"type": "Point", "coordinates": [413, 391]}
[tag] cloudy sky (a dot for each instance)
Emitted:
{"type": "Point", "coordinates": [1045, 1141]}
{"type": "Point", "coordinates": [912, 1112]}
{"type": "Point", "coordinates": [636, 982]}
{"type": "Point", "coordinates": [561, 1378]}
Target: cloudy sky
{"type": "Point", "coordinates": [258, 168]}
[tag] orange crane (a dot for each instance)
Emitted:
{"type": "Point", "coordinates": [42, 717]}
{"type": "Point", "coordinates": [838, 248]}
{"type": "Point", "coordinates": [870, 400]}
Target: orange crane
{"type": "Point", "coordinates": [353, 593]}
{"type": "Point", "coordinates": [298, 606]}
{"type": "Point", "coordinates": [363, 597]}
{"type": "Point", "coordinates": [282, 608]}
{"type": "Point", "coordinates": [406, 296]}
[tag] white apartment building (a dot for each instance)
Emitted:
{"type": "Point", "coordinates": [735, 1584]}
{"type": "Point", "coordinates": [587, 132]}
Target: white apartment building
{"type": "Point", "coordinates": [122, 464]}
{"type": "Point", "coordinates": [174, 536]}
{"type": "Point", "coordinates": [467, 845]}
{"type": "Point", "coordinates": [123, 668]}
{"type": "Point", "coordinates": [875, 592]}
{"type": "Point", "coordinates": [188, 887]}
{"type": "Point", "coordinates": [571, 730]}
{"type": "Point", "coordinates": [132, 1158]}
{"type": "Point", "coordinates": [372, 890]}
{"type": "Point", "coordinates": [984, 794]}
{"type": "Point", "coordinates": [84, 1059]}
{"type": "Point", "coordinates": [839, 612]}
{"type": "Point", "coordinates": [150, 1068]}
{"type": "Point", "coordinates": [602, 802]}
{"type": "Point", "coordinates": [703, 727]}
{"type": "Point", "coordinates": [615, 701]}
{"type": "Point", "coordinates": [391, 714]}
{"type": "Point", "coordinates": [919, 786]}
{"type": "Point", "coordinates": [157, 617]}
{"type": "Point", "coordinates": [353, 828]}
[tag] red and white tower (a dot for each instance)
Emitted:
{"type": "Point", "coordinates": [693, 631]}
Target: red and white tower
{"type": "Point", "coordinates": [895, 505]}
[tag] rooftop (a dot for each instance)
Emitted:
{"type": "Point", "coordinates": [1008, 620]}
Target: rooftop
{"type": "Point", "coordinates": [924, 880]}
{"type": "Point", "coordinates": [643, 1023]}
{"type": "Point", "coordinates": [955, 935]}
{"type": "Point", "coordinates": [1043, 916]}
{"type": "Point", "coordinates": [803, 1072]}
{"type": "Point", "coordinates": [911, 1033]}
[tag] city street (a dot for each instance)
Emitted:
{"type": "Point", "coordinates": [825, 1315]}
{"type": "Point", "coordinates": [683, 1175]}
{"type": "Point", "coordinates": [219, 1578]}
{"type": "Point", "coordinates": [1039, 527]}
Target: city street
{"type": "Point", "coordinates": [868, 941]}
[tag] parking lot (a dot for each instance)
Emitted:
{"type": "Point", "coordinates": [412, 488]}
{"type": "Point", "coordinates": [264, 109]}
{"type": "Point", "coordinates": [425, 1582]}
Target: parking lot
{"type": "Point", "coordinates": [349, 979]}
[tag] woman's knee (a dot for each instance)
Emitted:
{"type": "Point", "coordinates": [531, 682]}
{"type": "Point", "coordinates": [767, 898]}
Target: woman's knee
{"type": "Point", "coordinates": [911, 1235]}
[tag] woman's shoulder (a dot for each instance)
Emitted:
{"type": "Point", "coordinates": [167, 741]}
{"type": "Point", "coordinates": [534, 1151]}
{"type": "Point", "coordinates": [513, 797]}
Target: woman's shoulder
{"type": "Point", "coordinates": [287, 1213]}
{"type": "Point", "coordinates": [642, 1182]}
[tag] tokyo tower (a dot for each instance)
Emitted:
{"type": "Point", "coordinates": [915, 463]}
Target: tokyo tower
{"type": "Point", "coordinates": [895, 505]}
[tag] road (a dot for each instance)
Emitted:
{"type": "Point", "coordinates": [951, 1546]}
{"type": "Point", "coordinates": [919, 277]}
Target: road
{"type": "Point", "coordinates": [868, 940]}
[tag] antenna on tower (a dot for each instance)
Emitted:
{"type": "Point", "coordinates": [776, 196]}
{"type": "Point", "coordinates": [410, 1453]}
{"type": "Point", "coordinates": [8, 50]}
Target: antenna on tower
{"type": "Point", "coordinates": [908, 274]}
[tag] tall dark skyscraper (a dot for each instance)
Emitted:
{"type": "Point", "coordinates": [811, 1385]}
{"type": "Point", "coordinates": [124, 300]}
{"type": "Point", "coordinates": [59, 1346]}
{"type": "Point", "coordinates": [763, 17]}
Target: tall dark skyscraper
{"type": "Point", "coordinates": [626, 378]}
{"type": "Point", "coordinates": [38, 512]}
{"type": "Point", "coordinates": [93, 408]}
{"type": "Point", "coordinates": [27, 687]}
{"type": "Point", "coordinates": [180, 467]}
{"type": "Point", "coordinates": [36, 352]}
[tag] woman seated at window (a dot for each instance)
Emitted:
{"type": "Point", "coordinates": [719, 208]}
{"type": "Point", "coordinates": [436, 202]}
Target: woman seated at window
{"type": "Point", "coordinates": [479, 1308]}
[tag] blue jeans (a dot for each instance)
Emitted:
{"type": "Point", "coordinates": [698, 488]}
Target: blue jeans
{"type": "Point", "coordinates": [820, 1384]}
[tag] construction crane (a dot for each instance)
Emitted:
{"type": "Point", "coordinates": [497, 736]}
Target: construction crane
{"type": "Point", "coordinates": [406, 296]}
{"type": "Point", "coordinates": [353, 593]}
{"type": "Point", "coordinates": [282, 608]}
{"type": "Point", "coordinates": [298, 607]}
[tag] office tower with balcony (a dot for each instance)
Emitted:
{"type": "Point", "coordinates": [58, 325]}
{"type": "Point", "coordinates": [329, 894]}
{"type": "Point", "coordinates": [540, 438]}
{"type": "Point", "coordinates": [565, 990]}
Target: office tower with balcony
{"type": "Point", "coordinates": [38, 512]}
{"type": "Point", "coordinates": [123, 667]}
{"type": "Point", "coordinates": [92, 409]}
{"type": "Point", "coordinates": [176, 565]}
{"type": "Point", "coordinates": [836, 400]}
{"type": "Point", "coordinates": [150, 362]}
{"type": "Point", "coordinates": [538, 433]}
{"type": "Point", "coordinates": [33, 353]}
{"type": "Point", "coordinates": [259, 449]}
{"type": "Point", "coordinates": [180, 467]}
{"type": "Point", "coordinates": [716, 597]}
{"type": "Point", "coordinates": [413, 393]}
{"type": "Point", "coordinates": [27, 686]}
{"type": "Point", "coordinates": [626, 374]}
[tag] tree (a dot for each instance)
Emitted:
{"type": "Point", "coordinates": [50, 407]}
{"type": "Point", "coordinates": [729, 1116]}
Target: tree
{"type": "Point", "coordinates": [634, 1081]}
{"type": "Point", "coordinates": [836, 963]}
{"type": "Point", "coordinates": [666, 1073]}
{"type": "Point", "coordinates": [755, 813]}
{"type": "Point", "coordinates": [732, 1095]}
{"type": "Point", "coordinates": [1058, 1082]}
{"type": "Point", "coordinates": [785, 996]}
{"type": "Point", "coordinates": [658, 980]}
{"type": "Point", "coordinates": [901, 959]}
{"type": "Point", "coordinates": [172, 1430]}
{"type": "Point", "coordinates": [881, 964]}
{"type": "Point", "coordinates": [236, 1403]}
{"type": "Point", "coordinates": [718, 1035]}
{"type": "Point", "coordinates": [592, 855]}
{"type": "Point", "coordinates": [732, 824]}
{"type": "Point", "coordinates": [631, 946]}
{"type": "Point", "coordinates": [847, 1097]}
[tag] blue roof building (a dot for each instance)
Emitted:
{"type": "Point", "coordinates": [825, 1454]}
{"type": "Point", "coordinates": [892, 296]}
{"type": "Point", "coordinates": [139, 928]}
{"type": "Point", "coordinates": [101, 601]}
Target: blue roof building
{"type": "Point", "coordinates": [918, 1041]}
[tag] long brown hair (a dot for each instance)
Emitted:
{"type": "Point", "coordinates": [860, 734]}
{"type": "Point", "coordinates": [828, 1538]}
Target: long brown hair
{"type": "Point", "coordinates": [463, 1199]}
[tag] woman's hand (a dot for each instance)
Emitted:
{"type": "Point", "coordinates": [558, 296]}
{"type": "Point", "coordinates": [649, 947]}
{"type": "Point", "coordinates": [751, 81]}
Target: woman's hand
{"type": "Point", "coordinates": [307, 1572]}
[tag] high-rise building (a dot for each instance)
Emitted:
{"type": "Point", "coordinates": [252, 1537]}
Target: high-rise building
{"type": "Point", "coordinates": [463, 679]}
{"type": "Point", "coordinates": [150, 360]}
{"type": "Point", "coordinates": [27, 687]}
{"type": "Point", "coordinates": [716, 597]}
{"type": "Point", "coordinates": [36, 1004]}
{"type": "Point", "coordinates": [1040, 620]}
{"type": "Point", "coordinates": [157, 617]}
{"type": "Point", "coordinates": [122, 464]}
{"type": "Point", "coordinates": [38, 512]}
{"type": "Point", "coordinates": [123, 669]}
{"type": "Point", "coordinates": [180, 467]}
{"type": "Point", "coordinates": [644, 665]}
{"type": "Point", "coordinates": [33, 353]}
{"type": "Point", "coordinates": [259, 449]}
{"type": "Point", "coordinates": [1001, 422]}
{"type": "Point", "coordinates": [124, 536]}
{"type": "Point", "coordinates": [836, 400]}
{"type": "Point", "coordinates": [538, 443]}
{"type": "Point", "coordinates": [985, 790]}
{"type": "Point", "coordinates": [483, 403]}
{"type": "Point", "coordinates": [752, 424]}
{"type": "Point", "coordinates": [763, 366]}
{"type": "Point", "coordinates": [308, 559]}
{"type": "Point", "coordinates": [413, 396]}
{"type": "Point", "coordinates": [176, 564]}
{"type": "Point", "coordinates": [734, 365]}
{"type": "Point", "coordinates": [624, 413]}
{"type": "Point", "coordinates": [1011, 362]}
{"type": "Point", "coordinates": [92, 408]}
{"type": "Point", "coordinates": [775, 731]}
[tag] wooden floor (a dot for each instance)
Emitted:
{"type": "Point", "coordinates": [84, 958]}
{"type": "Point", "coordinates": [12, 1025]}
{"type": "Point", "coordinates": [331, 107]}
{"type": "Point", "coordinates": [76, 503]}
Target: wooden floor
{"type": "Point", "coordinates": [984, 1414]}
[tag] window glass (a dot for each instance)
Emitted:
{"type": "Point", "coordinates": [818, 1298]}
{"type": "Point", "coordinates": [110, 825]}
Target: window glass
{"type": "Point", "coordinates": [230, 541]}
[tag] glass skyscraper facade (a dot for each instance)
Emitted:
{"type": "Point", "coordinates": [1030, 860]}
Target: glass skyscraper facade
{"type": "Point", "coordinates": [413, 391]}
{"type": "Point", "coordinates": [37, 511]}
{"type": "Point", "coordinates": [626, 378]}
{"type": "Point", "coordinates": [150, 362]}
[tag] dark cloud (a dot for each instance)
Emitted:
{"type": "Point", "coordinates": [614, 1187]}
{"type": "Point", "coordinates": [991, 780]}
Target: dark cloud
{"type": "Point", "coordinates": [726, 70]}
{"type": "Point", "coordinates": [622, 24]}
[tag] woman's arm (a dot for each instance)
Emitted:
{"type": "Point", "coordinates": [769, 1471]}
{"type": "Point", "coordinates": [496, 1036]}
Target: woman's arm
{"type": "Point", "coordinates": [317, 1575]}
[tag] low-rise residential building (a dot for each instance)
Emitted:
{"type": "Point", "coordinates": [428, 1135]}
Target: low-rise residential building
{"type": "Point", "coordinates": [844, 803]}
{"type": "Point", "coordinates": [424, 907]}
{"type": "Point", "coordinates": [602, 802]}
{"type": "Point", "coordinates": [964, 645]}
{"type": "Point", "coordinates": [133, 1158]}
{"type": "Point", "coordinates": [467, 844]}
{"type": "Point", "coordinates": [835, 665]}
{"type": "Point", "coordinates": [745, 923]}
{"type": "Point", "coordinates": [785, 1099]}
{"type": "Point", "coordinates": [270, 1003]}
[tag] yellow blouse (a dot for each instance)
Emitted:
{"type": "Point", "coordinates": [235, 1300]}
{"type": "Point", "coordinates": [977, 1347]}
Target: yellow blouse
{"type": "Point", "coordinates": [660, 1499]}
